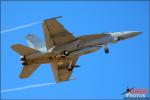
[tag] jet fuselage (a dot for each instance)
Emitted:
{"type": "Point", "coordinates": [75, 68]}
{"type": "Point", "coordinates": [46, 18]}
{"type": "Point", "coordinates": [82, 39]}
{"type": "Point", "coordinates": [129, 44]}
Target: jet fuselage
{"type": "Point", "coordinates": [80, 46]}
{"type": "Point", "coordinates": [62, 49]}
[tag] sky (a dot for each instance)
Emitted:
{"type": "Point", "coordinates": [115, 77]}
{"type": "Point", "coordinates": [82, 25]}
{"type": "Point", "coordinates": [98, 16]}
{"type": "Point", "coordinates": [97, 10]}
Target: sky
{"type": "Point", "coordinates": [101, 76]}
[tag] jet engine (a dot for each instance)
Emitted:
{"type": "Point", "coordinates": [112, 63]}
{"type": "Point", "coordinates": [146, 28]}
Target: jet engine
{"type": "Point", "coordinates": [24, 63]}
{"type": "Point", "coordinates": [23, 58]}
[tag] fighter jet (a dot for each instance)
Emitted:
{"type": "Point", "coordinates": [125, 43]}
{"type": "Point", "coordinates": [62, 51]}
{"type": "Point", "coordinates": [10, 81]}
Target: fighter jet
{"type": "Point", "coordinates": [62, 49]}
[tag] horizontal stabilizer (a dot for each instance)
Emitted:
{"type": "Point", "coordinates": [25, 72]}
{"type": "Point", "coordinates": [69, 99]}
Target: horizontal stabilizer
{"type": "Point", "coordinates": [28, 70]}
{"type": "Point", "coordinates": [23, 50]}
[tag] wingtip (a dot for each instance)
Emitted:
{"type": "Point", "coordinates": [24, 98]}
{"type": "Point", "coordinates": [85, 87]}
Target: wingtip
{"type": "Point", "coordinates": [53, 18]}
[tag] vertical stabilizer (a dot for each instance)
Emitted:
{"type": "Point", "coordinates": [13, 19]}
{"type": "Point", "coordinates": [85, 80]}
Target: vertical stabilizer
{"type": "Point", "coordinates": [34, 41]}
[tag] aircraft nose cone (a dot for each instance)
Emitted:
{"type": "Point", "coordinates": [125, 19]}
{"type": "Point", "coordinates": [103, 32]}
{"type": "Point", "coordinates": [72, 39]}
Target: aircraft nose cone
{"type": "Point", "coordinates": [136, 32]}
{"type": "Point", "coordinates": [132, 33]}
{"type": "Point", "coordinates": [126, 34]}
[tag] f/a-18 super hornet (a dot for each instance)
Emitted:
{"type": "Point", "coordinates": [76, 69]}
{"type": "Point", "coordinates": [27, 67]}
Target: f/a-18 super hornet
{"type": "Point", "coordinates": [61, 49]}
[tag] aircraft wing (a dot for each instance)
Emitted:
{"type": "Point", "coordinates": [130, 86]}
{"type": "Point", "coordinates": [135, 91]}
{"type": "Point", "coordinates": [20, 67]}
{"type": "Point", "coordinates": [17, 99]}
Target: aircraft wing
{"type": "Point", "coordinates": [55, 33]}
{"type": "Point", "coordinates": [59, 68]}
